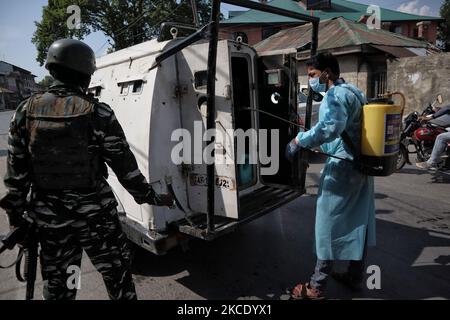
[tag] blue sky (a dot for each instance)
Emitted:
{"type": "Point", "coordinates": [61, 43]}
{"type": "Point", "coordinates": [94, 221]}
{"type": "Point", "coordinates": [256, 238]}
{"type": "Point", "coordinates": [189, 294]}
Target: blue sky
{"type": "Point", "coordinates": [17, 26]}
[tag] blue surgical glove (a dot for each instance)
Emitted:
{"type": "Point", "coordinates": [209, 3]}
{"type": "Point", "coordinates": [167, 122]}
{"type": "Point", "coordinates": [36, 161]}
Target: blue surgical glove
{"type": "Point", "coordinates": [291, 149]}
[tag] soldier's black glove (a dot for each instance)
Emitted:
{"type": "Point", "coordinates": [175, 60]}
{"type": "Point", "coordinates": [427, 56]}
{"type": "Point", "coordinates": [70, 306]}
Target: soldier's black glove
{"type": "Point", "coordinates": [159, 199]}
{"type": "Point", "coordinates": [15, 220]}
{"type": "Point", "coordinates": [18, 232]}
{"type": "Point", "coordinates": [15, 213]}
{"type": "Point", "coordinates": [164, 200]}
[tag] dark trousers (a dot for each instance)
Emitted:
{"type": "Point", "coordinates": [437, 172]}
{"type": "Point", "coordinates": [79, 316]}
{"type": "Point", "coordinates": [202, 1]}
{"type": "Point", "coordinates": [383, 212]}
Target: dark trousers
{"type": "Point", "coordinates": [101, 237]}
{"type": "Point", "coordinates": [324, 267]}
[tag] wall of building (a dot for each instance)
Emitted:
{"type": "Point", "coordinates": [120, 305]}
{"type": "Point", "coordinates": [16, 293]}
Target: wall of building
{"type": "Point", "coordinates": [254, 33]}
{"type": "Point", "coordinates": [2, 102]}
{"type": "Point", "coordinates": [420, 79]}
{"type": "Point", "coordinates": [411, 29]}
{"type": "Point", "coordinates": [5, 68]}
{"type": "Point", "coordinates": [20, 81]}
{"type": "Point", "coordinates": [408, 29]}
{"type": "Point", "coordinates": [12, 84]}
{"type": "Point", "coordinates": [430, 34]}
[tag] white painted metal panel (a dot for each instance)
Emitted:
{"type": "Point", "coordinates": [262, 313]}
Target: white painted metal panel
{"type": "Point", "coordinates": [149, 118]}
{"type": "Point", "coordinates": [194, 59]}
{"type": "Point", "coordinates": [132, 110]}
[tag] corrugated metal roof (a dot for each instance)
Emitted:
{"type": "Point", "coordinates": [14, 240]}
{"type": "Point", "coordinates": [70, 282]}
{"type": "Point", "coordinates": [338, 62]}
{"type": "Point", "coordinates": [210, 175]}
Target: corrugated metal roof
{"type": "Point", "coordinates": [232, 14]}
{"type": "Point", "coordinates": [399, 52]}
{"type": "Point", "coordinates": [340, 8]}
{"type": "Point", "coordinates": [336, 33]}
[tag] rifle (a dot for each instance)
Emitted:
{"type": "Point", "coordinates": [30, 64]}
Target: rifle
{"type": "Point", "coordinates": [26, 236]}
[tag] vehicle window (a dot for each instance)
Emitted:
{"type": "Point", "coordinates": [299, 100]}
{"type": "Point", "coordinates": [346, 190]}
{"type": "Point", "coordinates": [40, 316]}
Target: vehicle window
{"type": "Point", "coordinates": [274, 77]}
{"type": "Point", "coordinates": [95, 91]}
{"type": "Point", "coordinates": [123, 88]}
{"type": "Point", "coordinates": [200, 79]}
{"type": "Point", "coordinates": [138, 86]}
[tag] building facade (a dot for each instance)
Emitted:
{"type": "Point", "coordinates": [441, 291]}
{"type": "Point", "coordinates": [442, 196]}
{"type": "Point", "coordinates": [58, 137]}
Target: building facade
{"type": "Point", "coordinates": [363, 53]}
{"type": "Point", "coordinates": [15, 85]}
{"type": "Point", "coordinates": [255, 26]}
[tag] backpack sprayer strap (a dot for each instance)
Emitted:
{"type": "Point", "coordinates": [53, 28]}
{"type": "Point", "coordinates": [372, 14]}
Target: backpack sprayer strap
{"type": "Point", "coordinates": [356, 159]}
{"type": "Point", "coordinates": [348, 141]}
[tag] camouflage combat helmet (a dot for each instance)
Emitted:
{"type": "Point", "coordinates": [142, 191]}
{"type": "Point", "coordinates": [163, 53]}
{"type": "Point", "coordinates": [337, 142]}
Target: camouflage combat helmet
{"type": "Point", "coordinates": [72, 54]}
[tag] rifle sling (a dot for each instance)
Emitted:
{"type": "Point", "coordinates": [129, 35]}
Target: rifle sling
{"type": "Point", "coordinates": [16, 262]}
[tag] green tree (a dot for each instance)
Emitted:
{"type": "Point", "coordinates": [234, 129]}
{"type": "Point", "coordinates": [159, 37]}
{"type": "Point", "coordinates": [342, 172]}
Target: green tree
{"type": "Point", "coordinates": [126, 22]}
{"type": "Point", "coordinates": [46, 82]}
{"type": "Point", "coordinates": [53, 25]}
{"type": "Point", "coordinates": [444, 27]}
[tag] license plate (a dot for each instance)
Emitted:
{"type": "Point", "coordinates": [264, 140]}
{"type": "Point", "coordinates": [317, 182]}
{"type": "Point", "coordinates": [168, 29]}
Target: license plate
{"type": "Point", "coordinates": [221, 182]}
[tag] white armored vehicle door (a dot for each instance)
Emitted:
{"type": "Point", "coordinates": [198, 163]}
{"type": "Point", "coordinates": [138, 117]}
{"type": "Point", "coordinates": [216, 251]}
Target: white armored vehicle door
{"type": "Point", "coordinates": [192, 73]}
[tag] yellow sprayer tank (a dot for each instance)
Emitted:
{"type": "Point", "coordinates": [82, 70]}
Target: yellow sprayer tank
{"type": "Point", "coordinates": [380, 137]}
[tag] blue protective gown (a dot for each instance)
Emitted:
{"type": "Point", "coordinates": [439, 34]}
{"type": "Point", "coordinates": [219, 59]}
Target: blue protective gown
{"type": "Point", "coordinates": [345, 211]}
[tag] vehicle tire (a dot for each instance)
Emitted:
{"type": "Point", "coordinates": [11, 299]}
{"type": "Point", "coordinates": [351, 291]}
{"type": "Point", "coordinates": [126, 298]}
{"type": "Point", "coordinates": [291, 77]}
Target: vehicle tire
{"type": "Point", "coordinates": [401, 159]}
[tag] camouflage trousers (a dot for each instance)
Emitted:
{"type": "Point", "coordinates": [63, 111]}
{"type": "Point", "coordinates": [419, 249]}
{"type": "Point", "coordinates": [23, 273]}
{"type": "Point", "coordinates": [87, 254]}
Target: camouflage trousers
{"type": "Point", "coordinates": [101, 237]}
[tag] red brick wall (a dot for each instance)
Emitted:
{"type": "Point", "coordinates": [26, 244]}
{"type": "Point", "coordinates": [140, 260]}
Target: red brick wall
{"type": "Point", "coordinates": [432, 32]}
{"type": "Point", "coordinates": [409, 27]}
{"type": "Point", "coordinates": [254, 33]}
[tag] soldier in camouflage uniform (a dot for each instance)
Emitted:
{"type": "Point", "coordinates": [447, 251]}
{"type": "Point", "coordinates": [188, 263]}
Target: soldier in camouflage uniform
{"type": "Point", "coordinates": [59, 143]}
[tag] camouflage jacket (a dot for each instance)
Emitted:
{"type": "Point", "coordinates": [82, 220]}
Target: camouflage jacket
{"type": "Point", "coordinates": [56, 207]}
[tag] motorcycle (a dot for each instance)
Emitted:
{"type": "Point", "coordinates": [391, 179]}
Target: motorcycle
{"type": "Point", "coordinates": [420, 136]}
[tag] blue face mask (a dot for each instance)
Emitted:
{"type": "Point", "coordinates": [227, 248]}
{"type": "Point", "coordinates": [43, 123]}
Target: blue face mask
{"type": "Point", "coordinates": [317, 86]}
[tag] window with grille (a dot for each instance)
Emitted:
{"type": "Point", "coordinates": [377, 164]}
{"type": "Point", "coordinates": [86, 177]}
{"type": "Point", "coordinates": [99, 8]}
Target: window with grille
{"type": "Point", "coordinates": [379, 84]}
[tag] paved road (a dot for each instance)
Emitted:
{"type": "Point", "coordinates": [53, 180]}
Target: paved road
{"type": "Point", "coordinates": [261, 259]}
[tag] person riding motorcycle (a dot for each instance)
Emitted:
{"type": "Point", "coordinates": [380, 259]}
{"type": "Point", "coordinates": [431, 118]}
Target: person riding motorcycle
{"type": "Point", "coordinates": [440, 144]}
{"type": "Point", "coordinates": [60, 142]}
{"type": "Point", "coordinates": [438, 113]}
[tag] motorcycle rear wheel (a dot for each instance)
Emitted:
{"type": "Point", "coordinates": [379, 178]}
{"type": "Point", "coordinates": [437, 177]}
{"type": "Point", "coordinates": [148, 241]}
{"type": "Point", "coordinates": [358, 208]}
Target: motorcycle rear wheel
{"type": "Point", "coordinates": [401, 159]}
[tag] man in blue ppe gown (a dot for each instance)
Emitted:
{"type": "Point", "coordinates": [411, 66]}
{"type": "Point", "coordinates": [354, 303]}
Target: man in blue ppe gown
{"type": "Point", "coordinates": [345, 213]}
